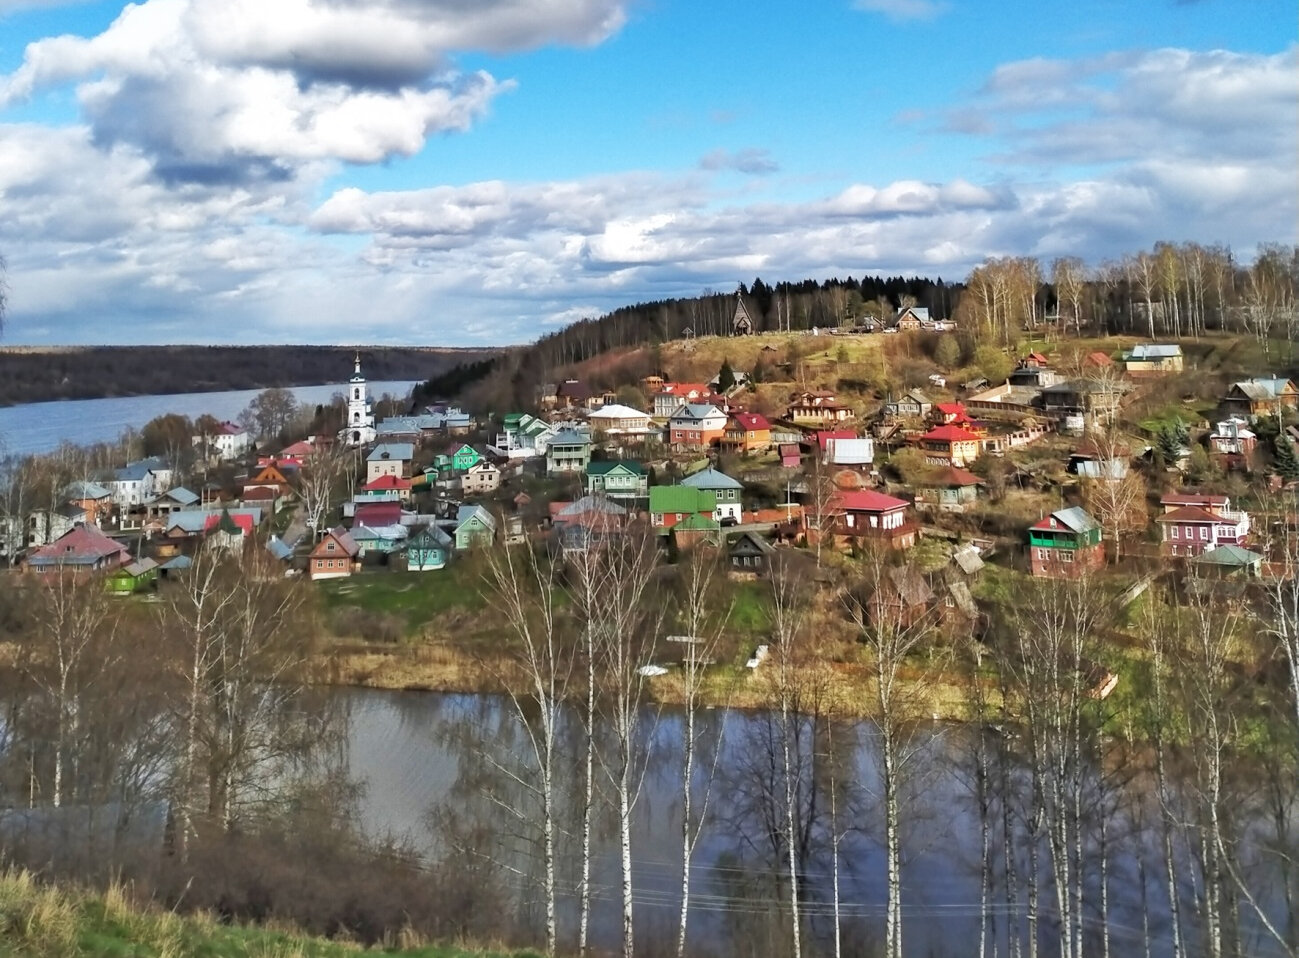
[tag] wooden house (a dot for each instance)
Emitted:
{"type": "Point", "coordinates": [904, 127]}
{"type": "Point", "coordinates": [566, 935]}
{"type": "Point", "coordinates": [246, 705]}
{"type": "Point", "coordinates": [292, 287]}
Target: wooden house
{"type": "Point", "coordinates": [913, 405]}
{"type": "Point", "coordinates": [696, 426]}
{"type": "Point", "coordinates": [817, 408]}
{"type": "Point", "coordinates": [389, 459]}
{"type": "Point", "coordinates": [949, 489]}
{"type": "Point", "coordinates": [726, 490]}
{"type": "Point", "coordinates": [1153, 359]}
{"type": "Point", "coordinates": [742, 321]}
{"type": "Point", "coordinates": [1264, 396]}
{"type": "Point", "coordinates": [669, 505]}
{"type": "Point", "coordinates": [138, 576]}
{"type": "Point", "coordinates": [746, 433]}
{"type": "Point", "coordinates": [617, 479]}
{"type": "Point", "coordinates": [865, 515]}
{"type": "Point", "coordinates": [428, 550]}
{"type": "Point", "coordinates": [1066, 544]}
{"type": "Point", "coordinates": [475, 528]}
{"type": "Point", "coordinates": [83, 548]}
{"type": "Point", "coordinates": [749, 553]}
{"type": "Point", "coordinates": [336, 555]}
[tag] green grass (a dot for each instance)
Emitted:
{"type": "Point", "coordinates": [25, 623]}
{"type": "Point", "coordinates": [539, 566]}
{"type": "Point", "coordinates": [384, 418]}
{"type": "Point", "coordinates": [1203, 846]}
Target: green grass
{"type": "Point", "coordinates": [750, 612]}
{"type": "Point", "coordinates": [46, 921]}
{"type": "Point", "coordinates": [415, 597]}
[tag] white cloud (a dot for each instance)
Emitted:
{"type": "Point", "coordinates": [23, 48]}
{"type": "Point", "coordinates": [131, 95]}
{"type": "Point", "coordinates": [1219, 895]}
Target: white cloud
{"type": "Point", "coordinates": [751, 160]}
{"type": "Point", "coordinates": [247, 90]}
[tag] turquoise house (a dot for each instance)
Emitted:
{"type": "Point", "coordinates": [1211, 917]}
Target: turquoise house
{"type": "Point", "coordinates": [617, 480]}
{"type": "Point", "coordinates": [428, 550]}
{"type": "Point", "coordinates": [475, 526]}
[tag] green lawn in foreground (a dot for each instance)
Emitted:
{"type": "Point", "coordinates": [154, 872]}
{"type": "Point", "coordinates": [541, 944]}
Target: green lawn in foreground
{"type": "Point", "coordinates": [415, 597]}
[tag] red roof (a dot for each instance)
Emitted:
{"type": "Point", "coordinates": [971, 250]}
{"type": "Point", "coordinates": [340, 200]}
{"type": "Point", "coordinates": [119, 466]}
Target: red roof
{"type": "Point", "coordinates": [229, 429]}
{"type": "Point", "coordinates": [260, 492]}
{"type": "Point", "coordinates": [751, 421]}
{"type": "Point", "coordinates": [1037, 358]}
{"type": "Point", "coordinates": [867, 500]}
{"type": "Point", "coordinates": [387, 484]}
{"type": "Point", "coordinates": [378, 514]}
{"type": "Point", "coordinates": [243, 520]}
{"type": "Point", "coordinates": [1098, 359]}
{"type": "Point", "coordinates": [681, 389]}
{"type": "Point", "coordinates": [1189, 514]}
{"type": "Point", "coordinates": [825, 435]}
{"type": "Point", "coordinates": [80, 544]}
{"type": "Point", "coordinates": [950, 433]}
{"type": "Point", "coordinates": [950, 408]}
{"type": "Point", "coordinates": [299, 448]}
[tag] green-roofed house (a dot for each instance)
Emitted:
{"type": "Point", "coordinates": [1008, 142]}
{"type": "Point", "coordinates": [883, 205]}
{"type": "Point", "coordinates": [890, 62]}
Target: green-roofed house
{"type": "Point", "coordinates": [464, 457]}
{"type": "Point", "coordinates": [135, 577]}
{"type": "Point", "coordinates": [694, 529]}
{"type": "Point", "coordinates": [1229, 560]}
{"type": "Point", "coordinates": [617, 479]}
{"type": "Point", "coordinates": [1066, 544]}
{"type": "Point", "coordinates": [669, 505]}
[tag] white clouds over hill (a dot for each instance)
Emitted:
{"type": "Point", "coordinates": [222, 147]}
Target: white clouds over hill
{"type": "Point", "coordinates": [204, 185]}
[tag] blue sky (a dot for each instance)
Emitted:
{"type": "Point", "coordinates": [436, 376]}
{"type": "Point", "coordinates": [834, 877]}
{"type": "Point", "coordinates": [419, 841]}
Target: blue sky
{"type": "Point", "coordinates": [453, 172]}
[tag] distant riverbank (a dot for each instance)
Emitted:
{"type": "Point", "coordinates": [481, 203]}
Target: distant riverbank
{"type": "Point", "coordinates": [31, 375]}
{"type": "Point", "coordinates": [37, 428]}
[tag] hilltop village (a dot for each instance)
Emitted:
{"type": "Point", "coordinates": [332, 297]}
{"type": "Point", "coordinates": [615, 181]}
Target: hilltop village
{"type": "Point", "coordinates": [1086, 457]}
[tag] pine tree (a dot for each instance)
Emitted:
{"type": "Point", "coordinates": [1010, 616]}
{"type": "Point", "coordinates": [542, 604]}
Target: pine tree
{"type": "Point", "coordinates": [1285, 460]}
{"type": "Point", "coordinates": [726, 377]}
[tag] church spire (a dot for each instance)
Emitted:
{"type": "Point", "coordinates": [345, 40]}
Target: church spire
{"type": "Point", "coordinates": [358, 362]}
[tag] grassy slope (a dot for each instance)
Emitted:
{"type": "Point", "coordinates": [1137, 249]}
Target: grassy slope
{"type": "Point", "coordinates": [40, 921]}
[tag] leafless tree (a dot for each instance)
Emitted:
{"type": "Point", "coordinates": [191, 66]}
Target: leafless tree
{"type": "Point", "coordinates": [525, 589]}
{"type": "Point", "coordinates": [321, 476]}
{"type": "Point", "coordinates": [612, 590]}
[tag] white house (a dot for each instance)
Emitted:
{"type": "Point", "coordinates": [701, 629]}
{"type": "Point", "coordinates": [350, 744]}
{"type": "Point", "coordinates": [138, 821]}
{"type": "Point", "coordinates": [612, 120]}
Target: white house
{"type": "Point", "coordinates": [229, 441]}
{"type": "Point", "coordinates": [137, 482]}
{"type": "Point", "coordinates": [618, 420]}
{"type": "Point", "coordinates": [726, 489]}
{"type": "Point", "coordinates": [389, 459]}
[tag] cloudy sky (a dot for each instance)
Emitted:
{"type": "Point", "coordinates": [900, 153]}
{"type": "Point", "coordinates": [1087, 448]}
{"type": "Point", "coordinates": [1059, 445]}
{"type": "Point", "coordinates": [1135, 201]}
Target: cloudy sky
{"type": "Point", "coordinates": [483, 171]}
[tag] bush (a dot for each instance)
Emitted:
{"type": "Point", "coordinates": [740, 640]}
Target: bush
{"type": "Point", "coordinates": [993, 363]}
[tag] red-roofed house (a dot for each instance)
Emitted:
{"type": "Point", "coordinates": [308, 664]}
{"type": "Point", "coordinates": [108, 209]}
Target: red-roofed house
{"type": "Point", "coordinates": [294, 455]}
{"type": "Point", "coordinates": [335, 555]}
{"type": "Point", "coordinates": [747, 432]}
{"type": "Point", "coordinates": [1192, 529]}
{"type": "Point", "coordinates": [866, 514]}
{"type": "Point", "coordinates": [951, 445]}
{"type": "Point", "coordinates": [377, 515]}
{"type": "Point", "coordinates": [1097, 360]}
{"type": "Point", "coordinates": [83, 548]}
{"type": "Point", "coordinates": [1212, 501]}
{"type": "Point", "coordinates": [674, 395]}
{"type": "Point", "coordinates": [791, 455]}
{"type": "Point", "coordinates": [950, 413]}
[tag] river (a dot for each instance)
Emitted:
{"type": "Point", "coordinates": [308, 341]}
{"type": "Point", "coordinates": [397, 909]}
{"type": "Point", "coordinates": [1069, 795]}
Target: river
{"type": "Point", "coordinates": [34, 428]}
{"type": "Point", "coordinates": [425, 757]}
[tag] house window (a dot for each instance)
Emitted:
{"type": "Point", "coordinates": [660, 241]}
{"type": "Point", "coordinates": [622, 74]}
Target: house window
{"type": "Point", "coordinates": [1177, 532]}
{"type": "Point", "coordinates": [1066, 556]}
{"type": "Point", "coordinates": [1204, 532]}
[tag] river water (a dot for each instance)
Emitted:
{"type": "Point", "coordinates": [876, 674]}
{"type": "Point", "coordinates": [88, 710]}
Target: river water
{"type": "Point", "coordinates": [427, 759]}
{"type": "Point", "coordinates": [34, 428]}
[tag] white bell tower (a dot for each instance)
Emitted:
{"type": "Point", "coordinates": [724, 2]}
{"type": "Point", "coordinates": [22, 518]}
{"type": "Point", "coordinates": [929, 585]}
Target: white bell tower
{"type": "Point", "coordinates": [359, 428]}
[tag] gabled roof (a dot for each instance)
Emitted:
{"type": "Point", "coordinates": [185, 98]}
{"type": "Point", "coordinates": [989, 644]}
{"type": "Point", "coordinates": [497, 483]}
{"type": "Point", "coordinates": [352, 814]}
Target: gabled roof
{"type": "Point", "coordinates": [604, 467]}
{"type": "Point", "coordinates": [388, 483]}
{"type": "Point", "coordinates": [909, 585]}
{"type": "Point", "coordinates": [85, 491]}
{"type": "Point", "coordinates": [1263, 388]}
{"type": "Point", "coordinates": [755, 542]}
{"type": "Point", "coordinates": [750, 421]}
{"type": "Point", "coordinates": [228, 428]}
{"type": "Point", "coordinates": [1098, 358]}
{"type": "Point", "coordinates": [683, 499]}
{"type": "Point", "coordinates": [569, 437]}
{"type": "Point", "coordinates": [279, 549]}
{"type": "Point", "coordinates": [1148, 351]}
{"type": "Point", "coordinates": [1189, 514]}
{"type": "Point", "coordinates": [300, 448]}
{"type": "Point", "coordinates": [1075, 519]}
{"type": "Point", "coordinates": [137, 471]}
{"type": "Point", "coordinates": [710, 478]}
{"type": "Point", "coordinates": [1202, 499]}
{"type": "Point", "coordinates": [377, 514]}
{"type": "Point", "coordinates": [430, 537]}
{"type": "Point", "coordinates": [696, 412]}
{"type": "Point", "coordinates": [916, 396]}
{"type": "Point", "coordinates": [950, 476]}
{"type": "Point", "coordinates": [138, 568]}
{"type": "Point", "coordinates": [950, 433]}
{"type": "Point", "coordinates": [824, 436]}
{"type": "Point", "coordinates": [467, 513]}
{"type": "Point", "coordinates": [950, 408]}
{"type": "Point", "coordinates": [587, 505]}
{"type": "Point", "coordinates": [1229, 555]}
{"type": "Point", "coordinates": [399, 451]}
{"type": "Point", "coordinates": [617, 411]}
{"type": "Point", "coordinates": [340, 536]}
{"type": "Point", "coordinates": [699, 522]}
{"type": "Point", "coordinates": [194, 521]}
{"type": "Point", "coordinates": [80, 545]}
{"type": "Point", "coordinates": [179, 495]}
{"type": "Point", "coordinates": [867, 500]}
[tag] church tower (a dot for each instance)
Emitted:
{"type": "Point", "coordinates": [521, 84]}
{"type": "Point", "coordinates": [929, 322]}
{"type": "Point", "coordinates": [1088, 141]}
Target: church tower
{"type": "Point", "coordinates": [359, 430]}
